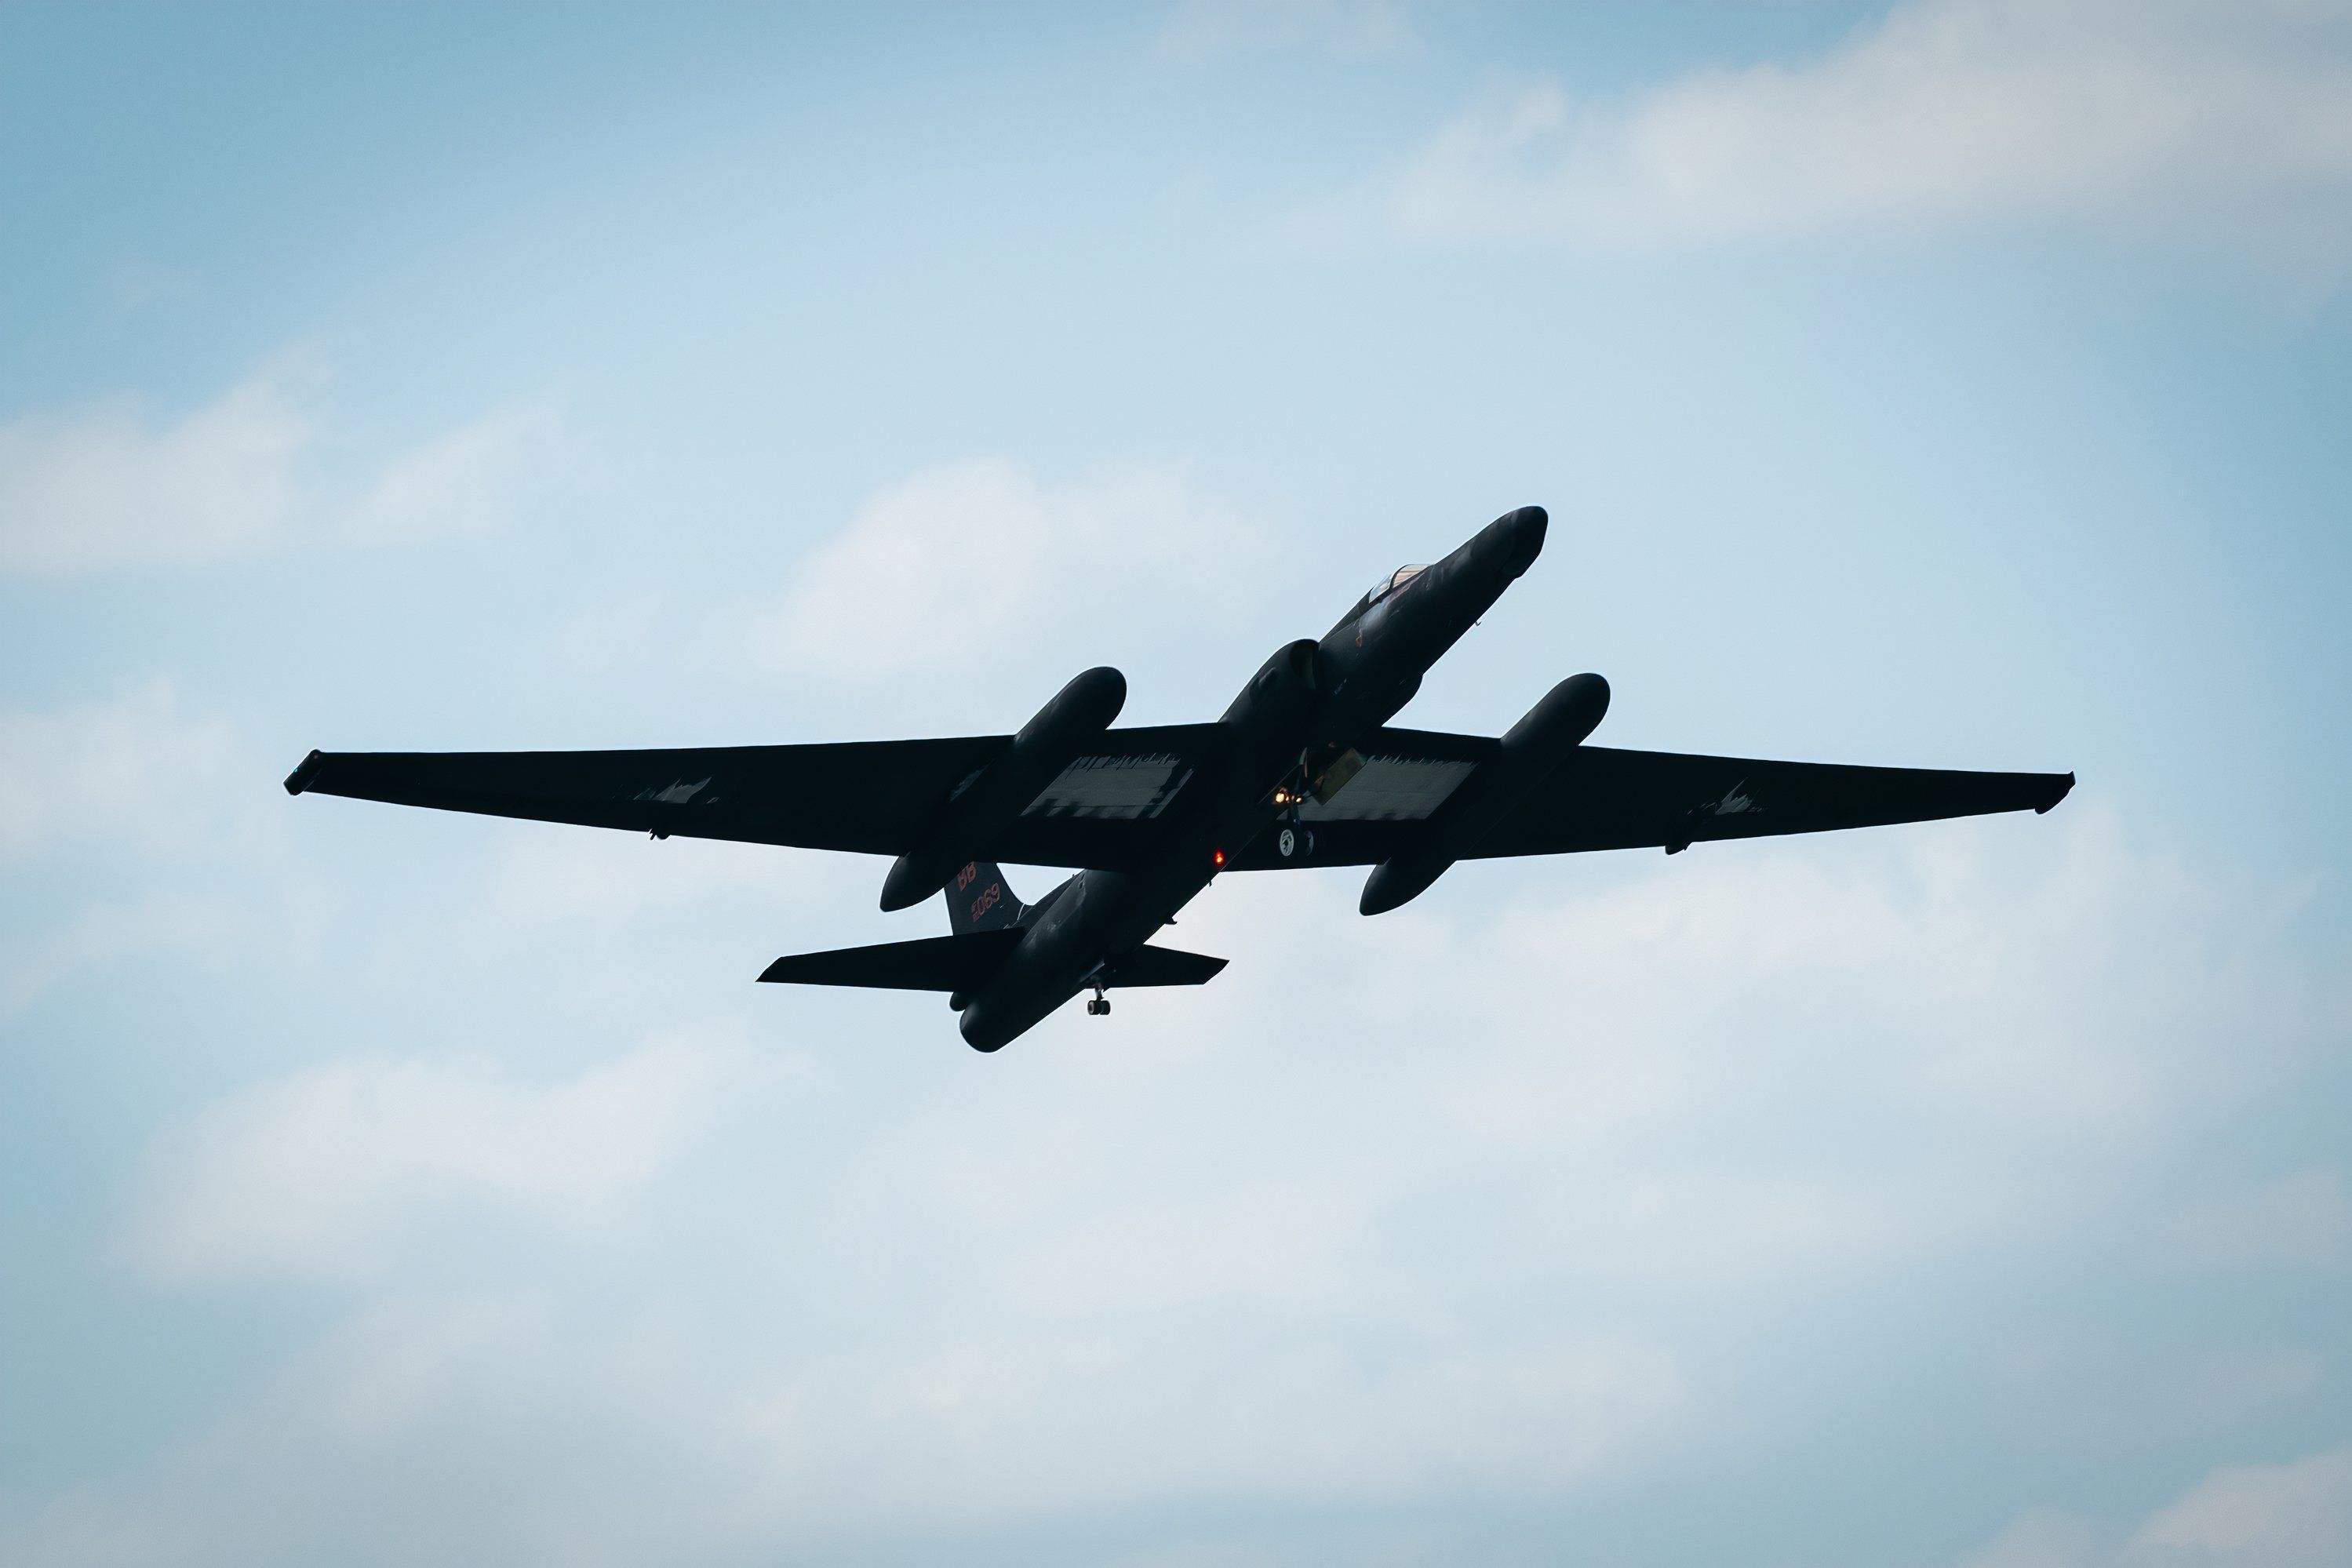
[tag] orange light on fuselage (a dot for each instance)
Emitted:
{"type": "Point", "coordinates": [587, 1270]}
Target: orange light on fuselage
{"type": "Point", "coordinates": [1216, 857]}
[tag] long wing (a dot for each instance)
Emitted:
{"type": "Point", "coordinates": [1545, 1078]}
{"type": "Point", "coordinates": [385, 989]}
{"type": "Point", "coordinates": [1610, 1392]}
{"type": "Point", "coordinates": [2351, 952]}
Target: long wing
{"type": "Point", "coordinates": [1105, 808]}
{"type": "Point", "coordinates": [870, 797]}
{"type": "Point", "coordinates": [1604, 798]}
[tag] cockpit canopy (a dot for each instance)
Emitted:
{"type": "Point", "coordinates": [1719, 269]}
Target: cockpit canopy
{"type": "Point", "coordinates": [1391, 582]}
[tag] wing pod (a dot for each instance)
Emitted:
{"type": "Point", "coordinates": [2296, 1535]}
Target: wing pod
{"type": "Point", "coordinates": [1530, 753]}
{"type": "Point", "coordinates": [993, 797]}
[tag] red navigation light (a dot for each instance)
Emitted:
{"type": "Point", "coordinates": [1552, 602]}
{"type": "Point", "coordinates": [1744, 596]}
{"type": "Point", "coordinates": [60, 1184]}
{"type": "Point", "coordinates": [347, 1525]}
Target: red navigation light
{"type": "Point", "coordinates": [1216, 857]}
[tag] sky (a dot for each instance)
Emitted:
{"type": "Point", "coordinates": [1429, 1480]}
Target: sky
{"type": "Point", "coordinates": [1961, 383]}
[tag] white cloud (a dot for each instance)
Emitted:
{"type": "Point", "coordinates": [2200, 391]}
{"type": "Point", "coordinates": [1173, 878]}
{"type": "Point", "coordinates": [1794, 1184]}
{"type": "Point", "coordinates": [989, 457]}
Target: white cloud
{"type": "Point", "coordinates": [140, 769]}
{"type": "Point", "coordinates": [2262, 1516]}
{"type": "Point", "coordinates": [948, 573]}
{"type": "Point", "coordinates": [2043, 1539]}
{"type": "Point", "coordinates": [117, 488]}
{"type": "Point", "coordinates": [502, 1428]}
{"type": "Point", "coordinates": [114, 488]}
{"type": "Point", "coordinates": [1447, 1206]}
{"type": "Point", "coordinates": [143, 827]}
{"type": "Point", "coordinates": [325, 1173]}
{"type": "Point", "coordinates": [465, 480]}
{"type": "Point", "coordinates": [352, 1442]}
{"type": "Point", "coordinates": [2018, 963]}
{"type": "Point", "coordinates": [994, 1425]}
{"type": "Point", "coordinates": [138, 826]}
{"type": "Point", "coordinates": [1271, 1241]}
{"type": "Point", "coordinates": [2293, 1515]}
{"type": "Point", "coordinates": [1212, 28]}
{"type": "Point", "coordinates": [104, 935]}
{"type": "Point", "coordinates": [2217, 121]}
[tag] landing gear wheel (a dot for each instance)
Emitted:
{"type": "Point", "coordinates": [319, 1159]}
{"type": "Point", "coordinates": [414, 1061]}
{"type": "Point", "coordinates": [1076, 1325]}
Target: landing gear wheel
{"type": "Point", "coordinates": [1098, 1005]}
{"type": "Point", "coordinates": [1292, 842]}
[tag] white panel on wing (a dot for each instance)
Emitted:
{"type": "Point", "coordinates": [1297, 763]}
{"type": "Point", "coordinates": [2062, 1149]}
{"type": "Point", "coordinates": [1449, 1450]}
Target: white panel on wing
{"type": "Point", "coordinates": [1391, 789]}
{"type": "Point", "coordinates": [1116, 789]}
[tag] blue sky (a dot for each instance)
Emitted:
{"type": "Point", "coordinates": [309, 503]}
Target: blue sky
{"type": "Point", "coordinates": [1961, 384]}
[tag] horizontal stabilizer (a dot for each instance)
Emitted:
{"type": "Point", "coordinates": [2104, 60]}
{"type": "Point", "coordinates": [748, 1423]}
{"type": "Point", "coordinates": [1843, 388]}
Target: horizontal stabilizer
{"type": "Point", "coordinates": [964, 963]}
{"type": "Point", "coordinates": [961, 963]}
{"type": "Point", "coordinates": [1161, 967]}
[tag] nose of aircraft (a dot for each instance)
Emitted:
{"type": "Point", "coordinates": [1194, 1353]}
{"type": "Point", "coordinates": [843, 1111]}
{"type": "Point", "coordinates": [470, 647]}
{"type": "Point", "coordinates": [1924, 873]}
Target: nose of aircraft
{"type": "Point", "coordinates": [1513, 540]}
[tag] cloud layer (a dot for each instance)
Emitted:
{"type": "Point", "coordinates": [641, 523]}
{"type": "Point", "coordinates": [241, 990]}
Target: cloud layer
{"type": "Point", "coordinates": [2297, 1514]}
{"type": "Point", "coordinates": [117, 488]}
{"type": "Point", "coordinates": [138, 820]}
{"type": "Point", "coordinates": [959, 568]}
{"type": "Point", "coordinates": [1496, 1162]}
{"type": "Point", "coordinates": [2220, 124]}
{"type": "Point", "coordinates": [385, 1186]}
{"type": "Point", "coordinates": [1506, 1163]}
{"type": "Point", "coordinates": [325, 1174]}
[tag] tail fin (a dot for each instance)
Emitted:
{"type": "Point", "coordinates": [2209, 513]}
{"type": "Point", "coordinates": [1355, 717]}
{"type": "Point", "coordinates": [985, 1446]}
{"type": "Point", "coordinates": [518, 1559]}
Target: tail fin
{"type": "Point", "coordinates": [980, 899]}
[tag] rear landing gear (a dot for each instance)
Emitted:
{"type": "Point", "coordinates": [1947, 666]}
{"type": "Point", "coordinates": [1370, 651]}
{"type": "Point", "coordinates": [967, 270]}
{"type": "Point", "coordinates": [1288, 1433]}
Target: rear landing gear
{"type": "Point", "coordinates": [1099, 1005]}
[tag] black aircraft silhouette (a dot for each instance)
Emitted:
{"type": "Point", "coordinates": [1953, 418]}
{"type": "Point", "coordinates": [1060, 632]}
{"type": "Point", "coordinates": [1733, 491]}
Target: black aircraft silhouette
{"type": "Point", "coordinates": [1302, 770]}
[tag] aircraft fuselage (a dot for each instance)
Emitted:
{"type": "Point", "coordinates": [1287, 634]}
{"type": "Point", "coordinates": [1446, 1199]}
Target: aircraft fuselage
{"type": "Point", "coordinates": [1288, 736]}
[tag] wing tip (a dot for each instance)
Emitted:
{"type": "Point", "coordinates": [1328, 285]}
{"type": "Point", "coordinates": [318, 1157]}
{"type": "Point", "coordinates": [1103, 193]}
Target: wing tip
{"type": "Point", "coordinates": [2064, 787]}
{"type": "Point", "coordinates": [304, 771]}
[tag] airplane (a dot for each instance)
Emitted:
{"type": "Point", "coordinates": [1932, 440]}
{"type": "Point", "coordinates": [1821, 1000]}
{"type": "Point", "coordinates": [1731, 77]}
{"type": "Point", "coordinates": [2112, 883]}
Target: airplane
{"type": "Point", "coordinates": [1303, 770]}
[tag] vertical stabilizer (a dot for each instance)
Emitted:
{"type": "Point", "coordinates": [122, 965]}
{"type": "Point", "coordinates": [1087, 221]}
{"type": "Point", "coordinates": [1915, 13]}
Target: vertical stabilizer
{"type": "Point", "coordinates": [980, 899]}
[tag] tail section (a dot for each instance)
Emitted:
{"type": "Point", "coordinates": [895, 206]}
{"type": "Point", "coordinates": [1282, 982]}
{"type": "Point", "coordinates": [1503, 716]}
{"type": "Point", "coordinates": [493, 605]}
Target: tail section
{"type": "Point", "coordinates": [980, 899]}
